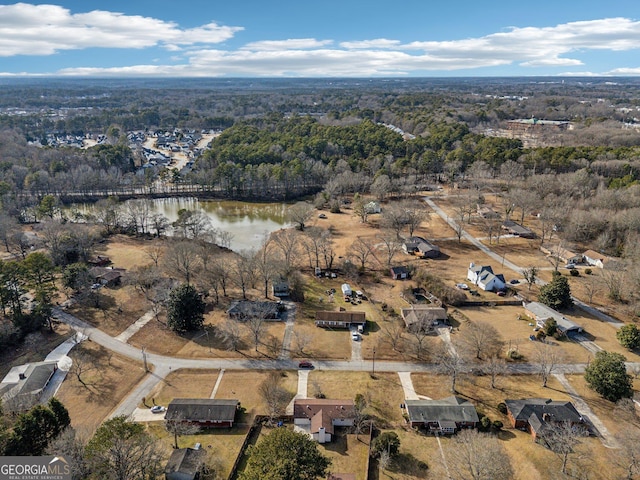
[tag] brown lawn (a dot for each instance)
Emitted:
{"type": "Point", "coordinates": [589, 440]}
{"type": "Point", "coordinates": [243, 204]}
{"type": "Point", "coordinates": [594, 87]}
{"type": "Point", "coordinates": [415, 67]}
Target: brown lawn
{"type": "Point", "coordinates": [184, 383]}
{"type": "Point", "coordinates": [347, 454]}
{"type": "Point", "coordinates": [515, 332]}
{"type": "Point", "coordinates": [384, 392]}
{"type": "Point", "coordinates": [129, 252]}
{"type": "Point", "coordinates": [221, 446]}
{"type": "Point", "coordinates": [109, 378]}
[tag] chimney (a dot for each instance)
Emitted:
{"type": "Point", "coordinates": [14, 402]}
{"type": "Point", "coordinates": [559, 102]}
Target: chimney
{"type": "Point", "coordinates": [22, 376]}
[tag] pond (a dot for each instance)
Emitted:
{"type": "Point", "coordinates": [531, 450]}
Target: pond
{"type": "Point", "coordinates": [247, 222]}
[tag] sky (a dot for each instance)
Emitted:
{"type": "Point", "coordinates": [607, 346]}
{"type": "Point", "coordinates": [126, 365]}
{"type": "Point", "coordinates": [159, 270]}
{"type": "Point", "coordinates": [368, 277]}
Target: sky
{"type": "Point", "coordinates": [321, 38]}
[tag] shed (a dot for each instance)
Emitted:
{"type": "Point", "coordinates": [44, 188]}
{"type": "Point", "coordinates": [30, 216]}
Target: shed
{"type": "Point", "coordinates": [399, 273]}
{"type": "Point", "coordinates": [184, 464]}
{"type": "Point", "coordinates": [346, 289]}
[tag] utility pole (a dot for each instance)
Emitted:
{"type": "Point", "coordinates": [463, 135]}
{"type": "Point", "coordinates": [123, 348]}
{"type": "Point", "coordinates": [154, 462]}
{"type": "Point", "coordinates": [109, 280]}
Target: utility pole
{"type": "Point", "coordinates": [373, 365]}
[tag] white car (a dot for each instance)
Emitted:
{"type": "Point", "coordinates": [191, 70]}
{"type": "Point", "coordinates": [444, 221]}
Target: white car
{"type": "Point", "coordinates": [462, 286]}
{"type": "Point", "coordinates": [355, 336]}
{"type": "Point", "coordinates": [157, 409]}
{"type": "Point", "coordinates": [570, 266]}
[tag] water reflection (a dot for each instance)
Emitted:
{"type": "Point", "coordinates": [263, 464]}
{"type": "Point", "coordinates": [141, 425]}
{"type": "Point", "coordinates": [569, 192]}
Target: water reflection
{"type": "Point", "coordinates": [247, 222]}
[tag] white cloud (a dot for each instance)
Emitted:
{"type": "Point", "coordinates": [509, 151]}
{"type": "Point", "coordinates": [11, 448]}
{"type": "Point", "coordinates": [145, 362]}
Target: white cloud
{"type": "Point", "coordinates": [27, 29]}
{"type": "Point", "coordinates": [375, 44]}
{"type": "Point", "coordinates": [625, 71]}
{"type": "Point", "coordinates": [291, 44]}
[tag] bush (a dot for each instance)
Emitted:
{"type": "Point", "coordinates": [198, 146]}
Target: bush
{"type": "Point", "coordinates": [514, 355]}
{"type": "Point", "coordinates": [497, 425]}
{"type": "Point", "coordinates": [502, 408]}
{"type": "Point", "coordinates": [629, 336]}
{"type": "Point", "coordinates": [485, 424]}
{"type": "Point", "coordinates": [574, 273]}
{"type": "Point", "coordinates": [588, 271]}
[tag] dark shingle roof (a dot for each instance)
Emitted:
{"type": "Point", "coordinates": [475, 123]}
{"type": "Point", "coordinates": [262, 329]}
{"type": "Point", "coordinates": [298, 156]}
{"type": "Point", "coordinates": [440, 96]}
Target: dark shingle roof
{"type": "Point", "coordinates": [453, 409]}
{"type": "Point", "coordinates": [538, 411]}
{"type": "Point", "coordinates": [202, 409]}
{"type": "Point", "coordinates": [184, 461]}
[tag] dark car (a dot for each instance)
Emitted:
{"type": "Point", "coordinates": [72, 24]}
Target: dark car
{"type": "Point", "coordinates": [305, 365]}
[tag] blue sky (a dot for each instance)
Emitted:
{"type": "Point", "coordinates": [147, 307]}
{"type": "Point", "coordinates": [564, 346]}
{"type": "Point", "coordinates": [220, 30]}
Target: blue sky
{"type": "Point", "coordinates": [322, 38]}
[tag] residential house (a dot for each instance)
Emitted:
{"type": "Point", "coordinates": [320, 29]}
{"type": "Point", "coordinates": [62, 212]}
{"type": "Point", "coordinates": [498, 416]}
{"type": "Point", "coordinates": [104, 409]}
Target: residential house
{"type": "Point", "coordinates": [184, 464]}
{"type": "Point", "coordinates": [516, 229]}
{"type": "Point", "coordinates": [484, 278]}
{"type": "Point", "coordinates": [340, 319]}
{"type": "Point", "coordinates": [563, 254]}
{"type": "Point", "coordinates": [399, 273]}
{"type": "Point", "coordinates": [534, 415]}
{"type": "Point", "coordinates": [243, 310]}
{"type": "Point", "coordinates": [99, 261]}
{"type": "Point", "coordinates": [107, 276]}
{"type": "Point", "coordinates": [486, 212]}
{"type": "Point", "coordinates": [281, 288]}
{"type": "Point", "coordinates": [541, 313]}
{"type": "Point", "coordinates": [318, 417]}
{"type": "Point", "coordinates": [23, 386]}
{"type": "Point", "coordinates": [420, 247]}
{"type": "Point", "coordinates": [423, 317]}
{"type": "Point", "coordinates": [204, 412]}
{"type": "Point", "coordinates": [445, 416]}
{"type": "Point", "coordinates": [372, 207]}
{"type": "Point", "coordinates": [595, 259]}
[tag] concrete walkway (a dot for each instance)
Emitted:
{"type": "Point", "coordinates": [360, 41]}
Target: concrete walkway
{"type": "Point", "coordinates": [356, 349]}
{"type": "Point", "coordinates": [303, 381]}
{"type": "Point", "coordinates": [605, 437]}
{"type": "Point", "coordinates": [135, 327]}
{"type": "Point", "coordinates": [445, 335]}
{"type": "Point", "coordinates": [218, 380]}
{"type": "Point", "coordinates": [288, 330]}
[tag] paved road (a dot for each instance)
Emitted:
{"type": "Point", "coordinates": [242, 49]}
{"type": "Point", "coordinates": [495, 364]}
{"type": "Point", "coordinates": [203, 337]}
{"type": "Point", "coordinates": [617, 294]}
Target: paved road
{"type": "Point", "coordinates": [587, 308]}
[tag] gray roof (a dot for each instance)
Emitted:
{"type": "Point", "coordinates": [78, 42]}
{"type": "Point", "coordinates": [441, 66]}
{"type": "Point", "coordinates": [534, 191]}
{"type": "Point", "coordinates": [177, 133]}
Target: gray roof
{"type": "Point", "coordinates": [542, 313]}
{"type": "Point", "coordinates": [423, 313]}
{"type": "Point", "coordinates": [539, 411]}
{"type": "Point", "coordinates": [450, 409]}
{"type": "Point", "coordinates": [183, 463]}
{"type": "Point", "coordinates": [245, 309]}
{"type": "Point", "coordinates": [202, 410]}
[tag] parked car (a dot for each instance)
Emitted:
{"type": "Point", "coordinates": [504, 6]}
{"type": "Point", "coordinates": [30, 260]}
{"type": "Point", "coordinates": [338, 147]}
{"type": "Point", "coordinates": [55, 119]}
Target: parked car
{"type": "Point", "coordinates": [157, 409]}
{"type": "Point", "coordinates": [570, 266]}
{"type": "Point", "coordinates": [305, 365]}
{"type": "Point", "coordinates": [355, 336]}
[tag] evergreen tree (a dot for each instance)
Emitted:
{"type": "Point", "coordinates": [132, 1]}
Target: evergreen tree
{"type": "Point", "coordinates": [185, 309]}
{"type": "Point", "coordinates": [285, 455]}
{"type": "Point", "coordinates": [557, 293]}
{"type": "Point", "coordinates": [629, 336]}
{"type": "Point", "coordinates": [607, 375]}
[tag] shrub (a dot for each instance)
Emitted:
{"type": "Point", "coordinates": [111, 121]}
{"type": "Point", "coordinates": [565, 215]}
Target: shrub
{"type": "Point", "coordinates": [497, 425]}
{"type": "Point", "coordinates": [514, 355]}
{"type": "Point", "coordinates": [502, 408]}
{"type": "Point", "coordinates": [588, 271]}
{"type": "Point", "coordinates": [485, 424]}
{"type": "Point", "coordinates": [574, 273]}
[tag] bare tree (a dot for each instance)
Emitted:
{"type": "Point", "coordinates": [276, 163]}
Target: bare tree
{"type": "Point", "coordinates": [591, 287]}
{"type": "Point", "coordinates": [181, 260]}
{"type": "Point", "coordinates": [274, 395]}
{"type": "Point", "coordinates": [614, 280]}
{"type": "Point", "coordinates": [390, 246]}
{"type": "Point", "coordinates": [562, 438]}
{"type": "Point", "coordinates": [481, 339]}
{"type": "Point", "coordinates": [71, 444]}
{"type": "Point", "coordinates": [83, 363]}
{"type": "Point", "coordinates": [381, 187]}
{"type": "Point", "coordinates": [545, 358]}
{"type": "Point", "coordinates": [313, 239]}
{"type": "Point", "coordinates": [178, 426]}
{"type": "Point", "coordinates": [244, 270]}
{"type": "Point", "coordinates": [155, 253]}
{"type": "Point", "coordinates": [360, 210]}
{"type": "Point", "coordinates": [492, 226]}
{"type": "Point", "coordinates": [458, 227]}
{"type": "Point", "coordinates": [393, 334]}
{"type": "Point", "coordinates": [229, 331]}
{"type": "Point", "coordinates": [301, 340]}
{"type": "Point", "coordinates": [530, 275]}
{"type": "Point", "coordinates": [627, 456]}
{"type": "Point", "coordinates": [265, 263]}
{"type": "Point", "coordinates": [418, 337]}
{"type": "Point", "coordinates": [287, 242]}
{"type": "Point", "coordinates": [300, 213]}
{"type": "Point", "coordinates": [361, 249]}
{"type": "Point", "coordinates": [450, 363]}
{"type": "Point", "coordinates": [494, 366]}
{"type": "Point", "coordinates": [478, 456]}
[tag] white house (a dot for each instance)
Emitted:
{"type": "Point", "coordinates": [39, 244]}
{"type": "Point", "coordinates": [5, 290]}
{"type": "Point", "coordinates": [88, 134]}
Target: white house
{"type": "Point", "coordinates": [541, 313]}
{"type": "Point", "coordinates": [484, 278]}
{"type": "Point", "coordinates": [317, 417]}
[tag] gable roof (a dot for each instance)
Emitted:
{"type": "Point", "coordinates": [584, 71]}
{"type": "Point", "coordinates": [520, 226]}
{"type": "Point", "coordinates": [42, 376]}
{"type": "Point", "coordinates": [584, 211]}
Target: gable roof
{"type": "Point", "coordinates": [423, 313]}
{"type": "Point", "coordinates": [541, 312]}
{"type": "Point", "coordinates": [322, 411]}
{"type": "Point", "coordinates": [400, 270]}
{"type": "Point", "coordinates": [27, 379]}
{"type": "Point", "coordinates": [184, 461]}
{"type": "Point", "coordinates": [202, 409]}
{"type": "Point", "coordinates": [537, 412]}
{"type": "Point", "coordinates": [452, 409]}
{"type": "Point", "coordinates": [420, 244]}
{"type": "Point", "coordinates": [244, 309]}
{"type": "Point", "coordinates": [516, 228]}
